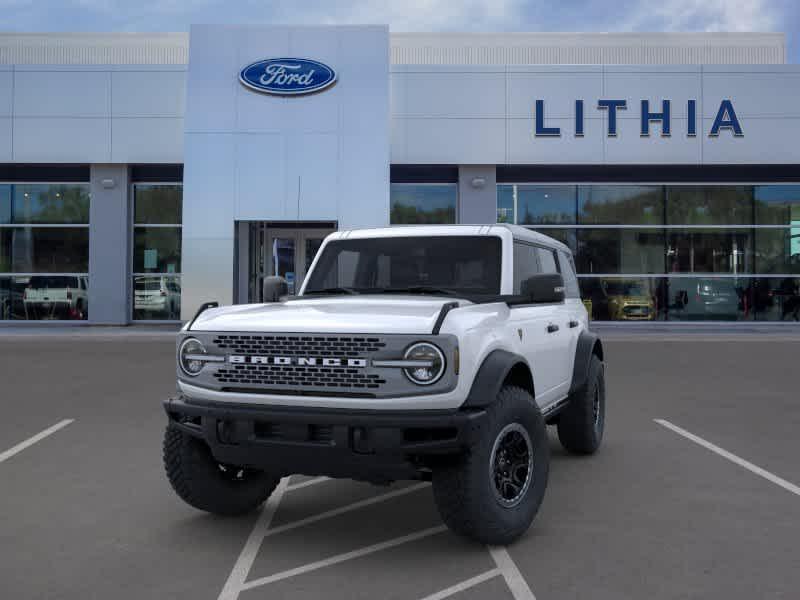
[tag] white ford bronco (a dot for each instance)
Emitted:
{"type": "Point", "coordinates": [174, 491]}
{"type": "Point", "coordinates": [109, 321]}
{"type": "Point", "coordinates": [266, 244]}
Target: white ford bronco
{"type": "Point", "coordinates": [425, 352]}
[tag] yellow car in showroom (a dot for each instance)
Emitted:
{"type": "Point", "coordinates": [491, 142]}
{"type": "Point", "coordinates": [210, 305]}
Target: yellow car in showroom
{"type": "Point", "coordinates": [629, 300]}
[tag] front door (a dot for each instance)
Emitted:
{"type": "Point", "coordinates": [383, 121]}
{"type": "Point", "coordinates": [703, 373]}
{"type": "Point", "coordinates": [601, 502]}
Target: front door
{"type": "Point", "coordinates": [283, 251]}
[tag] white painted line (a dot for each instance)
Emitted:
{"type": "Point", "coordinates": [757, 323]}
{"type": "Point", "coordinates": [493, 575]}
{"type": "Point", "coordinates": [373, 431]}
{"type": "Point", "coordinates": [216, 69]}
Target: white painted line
{"type": "Point", "coordinates": [241, 569]}
{"type": "Point", "coordinates": [508, 569]}
{"type": "Point", "coordinates": [464, 585]}
{"type": "Point", "coordinates": [339, 558]}
{"type": "Point", "coordinates": [790, 487]}
{"type": "Point", "coordinates": [344, 509]}
{"type": "Point", "coordinates": [306, 483]}
{"type": "Point", "coordinates": [4, 456]}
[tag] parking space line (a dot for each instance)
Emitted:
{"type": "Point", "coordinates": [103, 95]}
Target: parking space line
{"type": "Point", "coordinates": [33, 439]}
{"type": "Point", "coordinates": [508, 569]}
{"type": "Point", "coordinates": [243, 564]}
{"type": "Point", "coordinates": [788, 486]}
{"type": "Point", "coordinates": [345, 509]}
{"type": "Point", "coordinates": [339, 558]}
{"type": "Point", "coordinates": [306, 483]}
{"type": "Point", "coordinates": [463, 585]}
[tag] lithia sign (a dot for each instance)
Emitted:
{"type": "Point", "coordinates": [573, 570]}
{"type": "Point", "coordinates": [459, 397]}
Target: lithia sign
{"type": "Point", "coordinates": [725, 120]}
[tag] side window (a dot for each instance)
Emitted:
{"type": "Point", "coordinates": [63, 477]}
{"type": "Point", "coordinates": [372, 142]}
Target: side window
{"type": "Point", "coordinates": [547, 260]}
{"type": "Point", "coordinates": [525, 264]}
{"type": "Point", "coordinates": [570, 279]}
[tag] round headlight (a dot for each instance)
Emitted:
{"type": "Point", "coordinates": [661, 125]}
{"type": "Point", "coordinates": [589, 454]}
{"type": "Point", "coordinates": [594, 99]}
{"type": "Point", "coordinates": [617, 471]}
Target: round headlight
{"type": "Point", "coordinates": [187, 356]}
{"type": "Point", "coordinates": [431, 363]}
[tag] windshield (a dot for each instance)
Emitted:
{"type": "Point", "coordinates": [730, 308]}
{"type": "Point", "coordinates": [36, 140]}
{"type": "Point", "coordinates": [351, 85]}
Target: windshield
{"type": "Point", "coordinates": [52, 281]}
{"type": "Point", "coordinates": [468, 265]}
{"type": "Point", "coordinates": [625, 288]}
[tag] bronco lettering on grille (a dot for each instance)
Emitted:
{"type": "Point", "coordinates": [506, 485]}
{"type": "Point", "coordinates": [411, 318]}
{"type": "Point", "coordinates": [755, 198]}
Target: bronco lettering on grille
{"type": "Point", "coordinates": [300, 361]}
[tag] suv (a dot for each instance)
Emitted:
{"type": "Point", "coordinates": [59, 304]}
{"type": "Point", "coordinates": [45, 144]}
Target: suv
{"type": "Point", "coordinates": [56, 297]}
{"type": "Point", "coordinates": [428, 352]}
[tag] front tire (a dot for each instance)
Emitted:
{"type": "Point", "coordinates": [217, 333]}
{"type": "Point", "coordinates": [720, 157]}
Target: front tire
{"type": "Point", "coordinates": [207, 485]}
{"type": "Point", "coordinates": [581, 424]}
{"type": "Point", "coordinates": [493, 492]}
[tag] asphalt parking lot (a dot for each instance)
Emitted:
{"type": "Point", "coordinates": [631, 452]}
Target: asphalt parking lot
{"type": "Point", "coordinates": [693, 495]}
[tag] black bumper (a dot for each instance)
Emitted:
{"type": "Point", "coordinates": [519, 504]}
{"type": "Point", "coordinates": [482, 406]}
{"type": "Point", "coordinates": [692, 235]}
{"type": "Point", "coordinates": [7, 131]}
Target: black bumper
{"type": "Point", "coordinates": [371, 445]}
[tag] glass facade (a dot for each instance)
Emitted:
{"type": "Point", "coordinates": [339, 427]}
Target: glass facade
{"type": "Point", "coordinates": [157, 217]}
{"type": "Point", "coordinates": [423, 203]}
{"type": "Point", "coordinates": [44, 251]}
{"type": "Point", "coordinates": [672, 252]}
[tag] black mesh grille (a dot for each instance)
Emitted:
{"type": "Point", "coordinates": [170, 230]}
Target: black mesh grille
{"type": "Point", "coordinates": [305, 377]}
{"type": "Point", "coordinates": [297, 345]}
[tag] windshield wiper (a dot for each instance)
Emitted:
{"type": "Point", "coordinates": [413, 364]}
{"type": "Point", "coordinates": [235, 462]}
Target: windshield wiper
{"type": "Point", "coordinates": [419, 289]}
{"type": "Point", "coordinates": [331, 290]}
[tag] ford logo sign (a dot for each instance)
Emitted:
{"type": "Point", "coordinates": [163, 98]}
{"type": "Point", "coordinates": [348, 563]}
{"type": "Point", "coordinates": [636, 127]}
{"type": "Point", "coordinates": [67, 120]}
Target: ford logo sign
{"type": "Point", "coordinates": [287, 76]}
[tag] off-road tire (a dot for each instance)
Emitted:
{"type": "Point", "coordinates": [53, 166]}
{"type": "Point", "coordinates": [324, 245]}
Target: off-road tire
{"type": "Point", "coordinates": [464, 489]}
{"type": "Point", "coordinates": [580, 428]}
{"type": "Point", "coordinates": [198, 479]}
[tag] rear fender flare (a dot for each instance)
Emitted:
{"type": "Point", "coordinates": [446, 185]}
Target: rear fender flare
{"type": "Point", "coordinates": [589, 344]}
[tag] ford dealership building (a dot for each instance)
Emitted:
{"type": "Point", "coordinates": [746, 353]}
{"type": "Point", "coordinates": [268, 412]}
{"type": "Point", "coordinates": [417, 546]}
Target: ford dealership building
{"type": "Point", "coordinates": [143, 174]}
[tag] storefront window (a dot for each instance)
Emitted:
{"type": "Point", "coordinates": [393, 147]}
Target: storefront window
{"type": "Point", "coordinates": [44, 251]}
{"type": "Point", "coordinates": [778, 205]}
{"type": "Point", "coordinates": [536, 204]}
{"type": "Point", "coordinates": [624, 298]}
{"type": "Point", "coordinates": [777, 299]}
{"type": "Point", "coordinates": [710, 298]}
{"type": "Point", "coordinates": [157, 251]}
{"type": "Point", "coordinates": [423, 203]}
{"type": "Point", "coordinates": [621, 205]}
{"type": "Point", "coordinates": [710, 251]}
{"type": "Point", "coordinates": [778, 250]}
{"type": "Point", "coordinates": [709, 205]}
{"type": "Point", "coordinates": [565, 236]}
{"type": "Point", "coordinates": [620, 251]}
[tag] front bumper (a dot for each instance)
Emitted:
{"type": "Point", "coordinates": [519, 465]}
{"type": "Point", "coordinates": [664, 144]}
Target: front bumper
{"type": "Point", "coordinates": [359, 444]}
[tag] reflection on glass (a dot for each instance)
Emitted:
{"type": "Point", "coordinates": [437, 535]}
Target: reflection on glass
{"type": "Point", "coordinates": [157, 250]}
{"type": "Point", "coordinates": [777, 205]}
{"type": "Point", "coordinates": [565, 236]}
{"type": "Point", "coordinates": [283, 261]}
{"type": "Point", "coordinates": [505, 204]}
{"type": "Point", "coordinates": [545, 204]}
{"type": "Point", "coordinates": [710, 251]}
{"type": "Point", "coordinates": [158, 204]}
{"type": "Point", "coordinates": [156, 297]}
{"type": "Point", "coordinates": [777, 299]}
{"type": "Point", "coordinates": [44, 297]}
{"type": "Point", "coordinates": [709, 205]}
{"type": "Point", "coordinates": [39, 203]}
{"type": "Point", "coordinates": [416, 203]}
{"type": "Point", "coordinates": [620, 251]}
{"type": "Point", "coordinates": [44, 250]}
{"type": "Point", "coordinates": [620, 204]}
{"type": "Point", "coordinates": [312, 247]}
{"type": "Point", "coordinates": [624, 299]}
{"type": "Point", "coordinates": [710, 298]}
{"type": "Point", "coordinates": [778, 250]}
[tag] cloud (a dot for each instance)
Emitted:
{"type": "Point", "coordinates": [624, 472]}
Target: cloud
{"type": "Point", "coordinates": [705, 15]}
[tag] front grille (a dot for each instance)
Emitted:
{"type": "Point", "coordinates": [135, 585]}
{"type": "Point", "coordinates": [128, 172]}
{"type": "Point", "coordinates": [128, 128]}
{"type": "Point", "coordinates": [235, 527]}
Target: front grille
{"type": "Point", "coordinates": [299, 345]}
{"type": "Point", "coordinates": [636, 311]}
{"type": "Point", "coordinates": [292, 375]}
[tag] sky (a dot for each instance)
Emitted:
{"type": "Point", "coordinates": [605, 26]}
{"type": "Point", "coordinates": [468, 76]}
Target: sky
{"type": "Point", "coordinates": [413, 15]}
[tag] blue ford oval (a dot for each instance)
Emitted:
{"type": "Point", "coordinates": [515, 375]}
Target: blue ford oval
{"type": "Point", "coordinates": [287, 76]}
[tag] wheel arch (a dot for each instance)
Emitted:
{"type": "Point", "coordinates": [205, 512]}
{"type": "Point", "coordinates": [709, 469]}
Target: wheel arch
{"type": "Point", "coordinates": [589, 345]}
{"type": "Point", "coordinates": [498, 369]}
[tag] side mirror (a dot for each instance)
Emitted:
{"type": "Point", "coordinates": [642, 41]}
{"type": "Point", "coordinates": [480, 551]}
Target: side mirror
{"type": "Point", "coordinates": [544, 288]}
{"type": "Point", "coordinates": [274, 288]}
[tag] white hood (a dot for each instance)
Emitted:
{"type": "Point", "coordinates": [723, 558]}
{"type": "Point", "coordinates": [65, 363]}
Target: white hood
{"type": "Point", "coordinates": [339, 314]}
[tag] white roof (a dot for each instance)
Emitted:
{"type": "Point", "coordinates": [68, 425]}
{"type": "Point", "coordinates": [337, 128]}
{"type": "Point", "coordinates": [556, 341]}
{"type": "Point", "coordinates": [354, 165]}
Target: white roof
{"type": "Point", "coordinates": [523, 48]}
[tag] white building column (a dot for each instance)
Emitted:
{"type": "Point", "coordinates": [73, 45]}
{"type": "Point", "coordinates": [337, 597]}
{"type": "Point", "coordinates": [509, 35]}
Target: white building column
{"type": "Point", "coordinates": [477, 194]}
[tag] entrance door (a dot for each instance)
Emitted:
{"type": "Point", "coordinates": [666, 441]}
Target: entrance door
{"type": "Point", "coordinates": [283, 251]}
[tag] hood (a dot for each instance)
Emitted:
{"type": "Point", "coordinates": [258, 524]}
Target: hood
{"type": "Point", "coordinates": [339, 314]}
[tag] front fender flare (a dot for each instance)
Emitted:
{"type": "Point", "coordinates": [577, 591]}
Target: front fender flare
{"type": "Point", "coordinates": [490, 377]}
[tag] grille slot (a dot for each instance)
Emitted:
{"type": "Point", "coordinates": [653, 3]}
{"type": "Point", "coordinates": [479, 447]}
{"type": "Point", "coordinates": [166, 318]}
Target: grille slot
{"type": "Point", "coordinates": [300, 345]}
{"type": "Point", "coordinates": [292, 375]}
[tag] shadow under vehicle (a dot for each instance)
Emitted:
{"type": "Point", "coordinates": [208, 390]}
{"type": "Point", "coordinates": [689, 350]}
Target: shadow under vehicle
{"type": "Point", "coordinates": [56, 297]}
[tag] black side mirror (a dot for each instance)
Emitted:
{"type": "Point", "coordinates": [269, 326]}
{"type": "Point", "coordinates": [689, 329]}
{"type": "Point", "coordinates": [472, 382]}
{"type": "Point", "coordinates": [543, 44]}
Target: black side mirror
{"type": "Point", "coordinates": [543, 288]}
{"type": "Point", "coordinates": [274, 288]}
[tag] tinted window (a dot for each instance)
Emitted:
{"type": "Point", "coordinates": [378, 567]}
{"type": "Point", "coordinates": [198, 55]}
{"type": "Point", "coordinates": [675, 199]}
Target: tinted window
{"type": "Point", "coordinates": [464, 264]}
{"type": "Point", "coordinates": [777, 204]}
{"type": "Point", "coordinates": [621, 204]}
{"type": "Point", "coordinates": [547, 260]}
{"type": "Point", "coordinates": [526, 264]}
{"type": "Point", "coordinates": [620, 251]}
{"type": "Point", "coordinates": [709, 205]}
{"type": "Point", "coordinates": [416, 203]}
{"type": "Point", "coordinates": [568, 271]}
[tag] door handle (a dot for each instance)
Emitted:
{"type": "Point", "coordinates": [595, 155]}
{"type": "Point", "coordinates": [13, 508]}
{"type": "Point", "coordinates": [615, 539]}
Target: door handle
{"type": "Point", "coordinates": [573, 324]}
{"type": "Point", "coordinates": [552, 328]}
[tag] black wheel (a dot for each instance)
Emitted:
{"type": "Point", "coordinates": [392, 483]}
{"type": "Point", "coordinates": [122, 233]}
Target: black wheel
{"type": "Point", "coordinates": [581, 424]}
{"type": "Point", "coordinates": [206, 484]}
{"type": "Point", "coordinates": [493, 492]}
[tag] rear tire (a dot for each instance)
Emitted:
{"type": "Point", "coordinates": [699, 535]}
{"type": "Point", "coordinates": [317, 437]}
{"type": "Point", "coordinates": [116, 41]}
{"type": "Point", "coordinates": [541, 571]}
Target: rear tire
{"type": "Point", "coordinates": [582, 422]}
{"type": "Point", "coordinates": [492, 493]}
{"type": "Point", "coordinates": [202, 482]}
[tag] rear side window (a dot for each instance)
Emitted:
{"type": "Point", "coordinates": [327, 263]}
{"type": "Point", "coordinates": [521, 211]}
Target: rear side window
{"type": "Point", "coordinates": [571, 289]}
{"type": "Point", "coordinates": [525, 264]}
{"type": "Point", "coordinates": [547, 260]}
